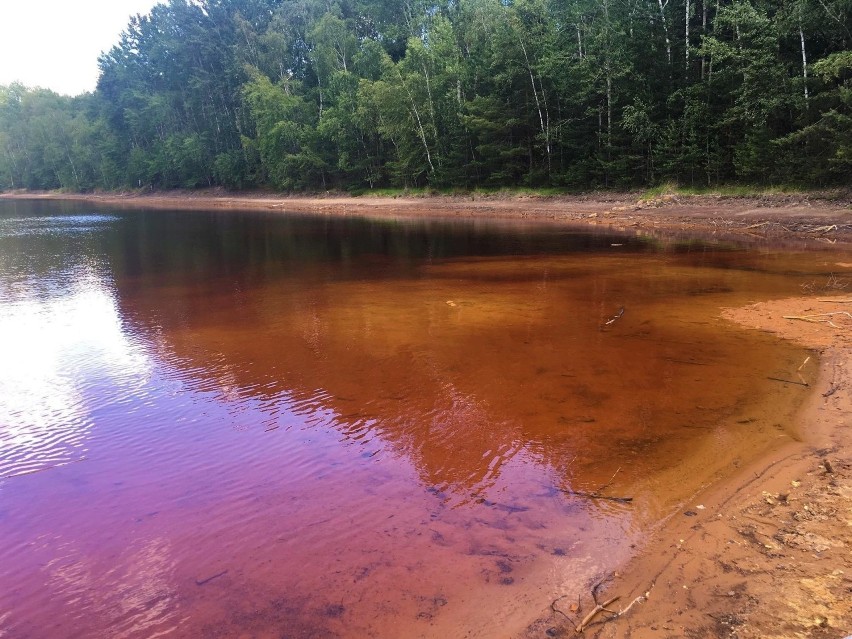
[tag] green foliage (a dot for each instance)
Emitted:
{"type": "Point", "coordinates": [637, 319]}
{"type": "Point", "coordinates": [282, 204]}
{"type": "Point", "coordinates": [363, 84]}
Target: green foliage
{"type": "Point", "coordinates": [468, 94]}
{"type": "Point", "coordinates": [48, 141]}
{"type": "Point", "coordinates": [836, 66]}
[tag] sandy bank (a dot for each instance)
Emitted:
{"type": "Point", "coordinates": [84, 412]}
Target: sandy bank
{"type": "Point", "coordinates": [765, 553]}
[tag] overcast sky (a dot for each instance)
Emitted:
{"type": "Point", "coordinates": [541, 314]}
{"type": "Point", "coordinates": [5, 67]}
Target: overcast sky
{"type": "Point", "coordinates": [55, 44]}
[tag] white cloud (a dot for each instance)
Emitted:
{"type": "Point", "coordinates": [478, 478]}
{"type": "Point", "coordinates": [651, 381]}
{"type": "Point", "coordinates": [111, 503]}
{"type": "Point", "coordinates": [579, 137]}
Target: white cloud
{"type": "Point", "coordinates": [55, 44]}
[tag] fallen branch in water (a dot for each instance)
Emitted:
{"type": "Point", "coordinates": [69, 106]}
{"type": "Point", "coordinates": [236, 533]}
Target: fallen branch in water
{"type": "Point", "coordinates": [596, 494]}
{"type": "Point", "coordinates": [788, 381]}
{"type": "Point", "coordinates": [606, 485]}
{"type": "Point", "coordinates": [802, 381]}
{"type": "Point", "coordinates": [579, 493]}
{"type": "Point", "coordinates": [207, 580]}
{"type": "Point", "coordinates": [574, 607]}
{"type": "Point", "coordinates": [615, 317]}
{"type": "Point", "coordinates": [799, 371]}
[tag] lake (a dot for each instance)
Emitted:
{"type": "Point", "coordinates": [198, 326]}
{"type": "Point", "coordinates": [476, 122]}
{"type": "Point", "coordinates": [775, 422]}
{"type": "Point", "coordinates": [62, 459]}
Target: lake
{"type": "Point", "coordinates": [237, 424]}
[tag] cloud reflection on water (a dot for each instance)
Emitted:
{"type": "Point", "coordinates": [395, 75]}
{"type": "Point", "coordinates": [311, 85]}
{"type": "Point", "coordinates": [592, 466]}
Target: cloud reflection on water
{"type": "Point", "coordinates": [57, 349]}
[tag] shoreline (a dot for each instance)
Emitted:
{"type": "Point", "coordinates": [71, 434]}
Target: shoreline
{"type": "Point", "coordinates": [764, 553]}
{"type": "Point", "coordinates": [801, 220]}
{"type": "Point", "coordinates": [759, 552]}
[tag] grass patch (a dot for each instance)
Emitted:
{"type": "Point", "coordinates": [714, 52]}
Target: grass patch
{"type": "Point", "coordinates": [669, 188]}
{"type": "Point", "coordinates": [522, 191]}
{"type": "Point", "coordinates": [725, 190]}
{"type": "Point", "coordinates": [395, 192]}
{"type": "Point", "coordinates": [507, 192]}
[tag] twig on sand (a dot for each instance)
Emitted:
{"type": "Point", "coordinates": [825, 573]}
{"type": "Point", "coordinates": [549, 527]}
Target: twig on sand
{"type": "Point", "coordinates": [831, 391]}
{"type": "Point", "coordinates": [604, 607]}
{"type": "Point", "coordinates": [816, 319]}
{"type": "Point", "coordinates": [823, 229]}
{"type": "Point", "coordinates": [639, 599]}
{"type": "Point", "coordinates": [598, 609]}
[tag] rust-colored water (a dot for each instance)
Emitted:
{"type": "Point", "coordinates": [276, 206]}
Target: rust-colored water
{"type": "Point", "coordinates": [242, 425]}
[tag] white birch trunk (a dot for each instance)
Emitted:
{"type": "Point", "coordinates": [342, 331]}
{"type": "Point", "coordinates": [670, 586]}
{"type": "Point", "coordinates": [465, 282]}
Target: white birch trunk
{"type": "Point", "coordinates": [544, 128]}
{"type": "Point", "coordinates": [665, 28]}
{"type": "Point", "coordinates": [703, 32]}
{"type": "Point", "coordinates": [686, 36]}
{"type": "Point", "coordinates": [804, 61]}
{"type": "Point", "coordinates": [608, 109]}
{"type": "Point", "coordinates": [420, 128]}
{"type": "Point", "coordinates": [429, 94]}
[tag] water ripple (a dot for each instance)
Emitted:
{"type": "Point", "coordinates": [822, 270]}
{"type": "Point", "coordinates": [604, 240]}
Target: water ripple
{"type": "Point", "coordinates": [59, 225]}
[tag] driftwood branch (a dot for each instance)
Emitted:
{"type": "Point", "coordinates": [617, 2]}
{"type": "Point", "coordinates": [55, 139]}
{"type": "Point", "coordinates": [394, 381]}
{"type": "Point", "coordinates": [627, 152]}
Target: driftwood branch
{"type": "Point", "coordinates": [587, 495]}
{"type": "Point", "coordinates": [596, 494]}
{"type": "Point", "coordinates": [819, 318]}
{"type": "Point", "coordinates": [598, 609]}
{"type": "Point", "coordinates": [824, 229]}
{"type": "Point", "coordinates": [639, 599]}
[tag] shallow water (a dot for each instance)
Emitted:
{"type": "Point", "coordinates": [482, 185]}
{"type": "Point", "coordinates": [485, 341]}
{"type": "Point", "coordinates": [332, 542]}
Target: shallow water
{"type": "Point", "coordinates": [244, 424]}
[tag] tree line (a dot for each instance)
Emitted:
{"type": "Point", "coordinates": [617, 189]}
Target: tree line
{"type": "Point", "coordinates": [361, 94]}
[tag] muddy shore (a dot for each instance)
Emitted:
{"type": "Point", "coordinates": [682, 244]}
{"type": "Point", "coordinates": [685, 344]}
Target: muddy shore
{"type": "Point", "coordinates": [765, 552]}
{"type": "Point", "coordinates": [806, 218]}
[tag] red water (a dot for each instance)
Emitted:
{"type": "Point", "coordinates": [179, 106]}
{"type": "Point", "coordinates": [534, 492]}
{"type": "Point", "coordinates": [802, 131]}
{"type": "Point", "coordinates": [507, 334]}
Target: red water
{"type": "Point", "coordinates": [359, 451]}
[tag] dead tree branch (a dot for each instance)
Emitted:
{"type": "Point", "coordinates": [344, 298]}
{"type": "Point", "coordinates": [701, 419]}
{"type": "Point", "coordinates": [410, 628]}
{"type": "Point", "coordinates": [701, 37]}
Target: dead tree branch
{"type": "Point", "coordinates": [598, 609]}
{"type": "Point", "coordinates": [815, 319]}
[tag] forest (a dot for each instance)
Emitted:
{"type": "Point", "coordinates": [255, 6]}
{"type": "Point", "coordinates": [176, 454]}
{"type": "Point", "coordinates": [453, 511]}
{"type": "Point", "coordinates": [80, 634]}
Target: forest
{"type": "Point", "coordinates": [316, 95]}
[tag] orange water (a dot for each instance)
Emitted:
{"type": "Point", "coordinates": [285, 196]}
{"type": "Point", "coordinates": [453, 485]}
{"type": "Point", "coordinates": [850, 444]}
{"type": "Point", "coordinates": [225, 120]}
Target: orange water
{"type": "Point", "coordinates": [241, 425]}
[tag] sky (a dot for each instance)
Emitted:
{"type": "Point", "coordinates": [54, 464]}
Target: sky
{"type": "Point", "coordinates": [55, 44]}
